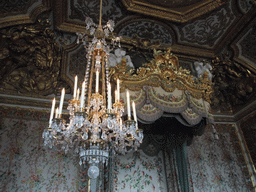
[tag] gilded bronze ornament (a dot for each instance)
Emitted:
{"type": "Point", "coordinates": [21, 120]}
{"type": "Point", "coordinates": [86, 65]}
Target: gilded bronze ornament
{"type": "Point", "coordinates": [164, 71]}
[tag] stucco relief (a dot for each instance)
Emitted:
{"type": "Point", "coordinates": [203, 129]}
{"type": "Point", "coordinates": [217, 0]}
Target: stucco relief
{"type": "Point", "coordinates": [245, 5]}
{"type": "Point", "coordinates": [147, 29]}
{"type": "Point", "coordinates": [208, 30]}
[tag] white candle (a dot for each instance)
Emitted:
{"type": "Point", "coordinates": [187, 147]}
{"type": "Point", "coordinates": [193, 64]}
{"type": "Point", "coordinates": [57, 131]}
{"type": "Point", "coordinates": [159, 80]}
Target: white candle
{"type": "Point", "coordinates": [97, 81]}
{"type": "Point", "coordinates": [115, 96]}
{"type": "Point", "coordinates": [128, 105]}
{"type": "Point", "coordinates": [57, 112]}
{"type": "Point", "coordinates": [134, 111]}
{"type": "Point", "coordinates": [121, 125]}
{"type": "Point", "coordinates": [118, 90]}
{"type": "Point", "coordinates": [75, 87]}
{"type": "Point", "coordinates": [52, 111]}
{"type": "Point", "coordinates": [77, 95]}
{"type": "Point", "coordinates": [89, 185]}
{"type": "Point", "coordinates": [82, 96]}
{"type": "Point", "coordinates": [61, 101]}
{"type": "Point", "coordinates": [109, 96]}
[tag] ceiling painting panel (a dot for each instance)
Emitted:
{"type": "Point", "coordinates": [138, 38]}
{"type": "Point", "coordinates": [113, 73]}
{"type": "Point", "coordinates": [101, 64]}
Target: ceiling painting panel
{"type": "Point", "coordinates": [207, 30]}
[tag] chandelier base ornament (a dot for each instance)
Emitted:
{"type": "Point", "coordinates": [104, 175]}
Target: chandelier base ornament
{"type": "Point", "coordinates": [95, 125]}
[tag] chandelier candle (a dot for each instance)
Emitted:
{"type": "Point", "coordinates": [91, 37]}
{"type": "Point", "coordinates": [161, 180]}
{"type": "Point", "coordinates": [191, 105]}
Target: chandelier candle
{"type": "Point", "coordinates": [61, 102]}
{"type": "Point", "coordinates": [75, 87]}
{"type": "Point", "coordinates": [97, 81]}
{"type": "Point", "coordinates": [115, 96]}
{"type": "Point", "coordinates": [109, 97]}
{"type": "Point", "coordinates": [118, 90]}
{"type": "Point", "coordinates": [134, 112]}
{"type": "Point", "coordinates": [56, 113]}
{"type": "Point", "coordinates": [128, 105]}
{"type": "Point", "coordinates": [82, 96]}
{"type": "Point", "coordinates": [52, 111]}
{"type": "Point", "coordinates": [78, 93]}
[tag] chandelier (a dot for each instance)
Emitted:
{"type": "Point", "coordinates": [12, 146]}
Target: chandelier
{"type": "Point", "coordinates": [95, 126]}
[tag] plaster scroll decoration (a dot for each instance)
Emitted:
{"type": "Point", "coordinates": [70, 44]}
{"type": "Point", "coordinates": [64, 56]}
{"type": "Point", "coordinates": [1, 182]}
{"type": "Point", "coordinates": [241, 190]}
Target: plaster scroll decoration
{"type": "Point", "coordinates": [80, 9]}
{"type": "Point", "coordinates": [147, 29]}
{"type": "Point", "coordinates": [207, 31]}
{"type": "Point", "coordinates": [245, 5]}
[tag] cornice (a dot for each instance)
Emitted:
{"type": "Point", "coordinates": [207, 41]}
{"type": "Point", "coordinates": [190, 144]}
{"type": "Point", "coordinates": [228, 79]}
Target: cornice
{"type": "Point", "coordinates": [172, 14]}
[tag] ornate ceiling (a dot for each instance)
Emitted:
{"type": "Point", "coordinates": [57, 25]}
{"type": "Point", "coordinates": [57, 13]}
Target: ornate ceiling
{"type": "Point", "coordinates": [39, 54]}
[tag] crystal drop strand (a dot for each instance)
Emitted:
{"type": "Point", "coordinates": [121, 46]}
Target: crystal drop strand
{"type": "Point", "coordinates": [86, 78]}
{"type": "Point", "coordinates": [107, 71]}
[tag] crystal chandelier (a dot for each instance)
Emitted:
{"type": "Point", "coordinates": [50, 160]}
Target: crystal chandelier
{"type": "Point", "coordinates": [95, 125]}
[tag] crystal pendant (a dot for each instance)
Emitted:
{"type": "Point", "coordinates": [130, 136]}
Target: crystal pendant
{"type": "Point", "coordinates": [93, 172]}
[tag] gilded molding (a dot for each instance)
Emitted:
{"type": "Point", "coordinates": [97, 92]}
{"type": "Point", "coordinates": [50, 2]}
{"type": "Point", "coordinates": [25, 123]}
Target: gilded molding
{"type": "Point", "coordinates": [172, 14]}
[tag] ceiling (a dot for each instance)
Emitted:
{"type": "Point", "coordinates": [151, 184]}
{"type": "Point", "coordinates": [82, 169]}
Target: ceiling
{"type": "Point", "coordinates": [36, 64]}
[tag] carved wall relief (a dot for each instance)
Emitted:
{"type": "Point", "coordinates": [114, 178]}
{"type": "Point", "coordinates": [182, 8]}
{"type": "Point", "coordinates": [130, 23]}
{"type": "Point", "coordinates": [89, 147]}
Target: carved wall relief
{"type": "Point", "coordinates": [30, 59]}
{"type": "Point", "coordinates": [234, 85]}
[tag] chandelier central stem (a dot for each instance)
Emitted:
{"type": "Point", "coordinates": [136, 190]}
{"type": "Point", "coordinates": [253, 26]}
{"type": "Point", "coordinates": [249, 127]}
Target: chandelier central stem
{"type": "Point", "coordinates": [100, 13]}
